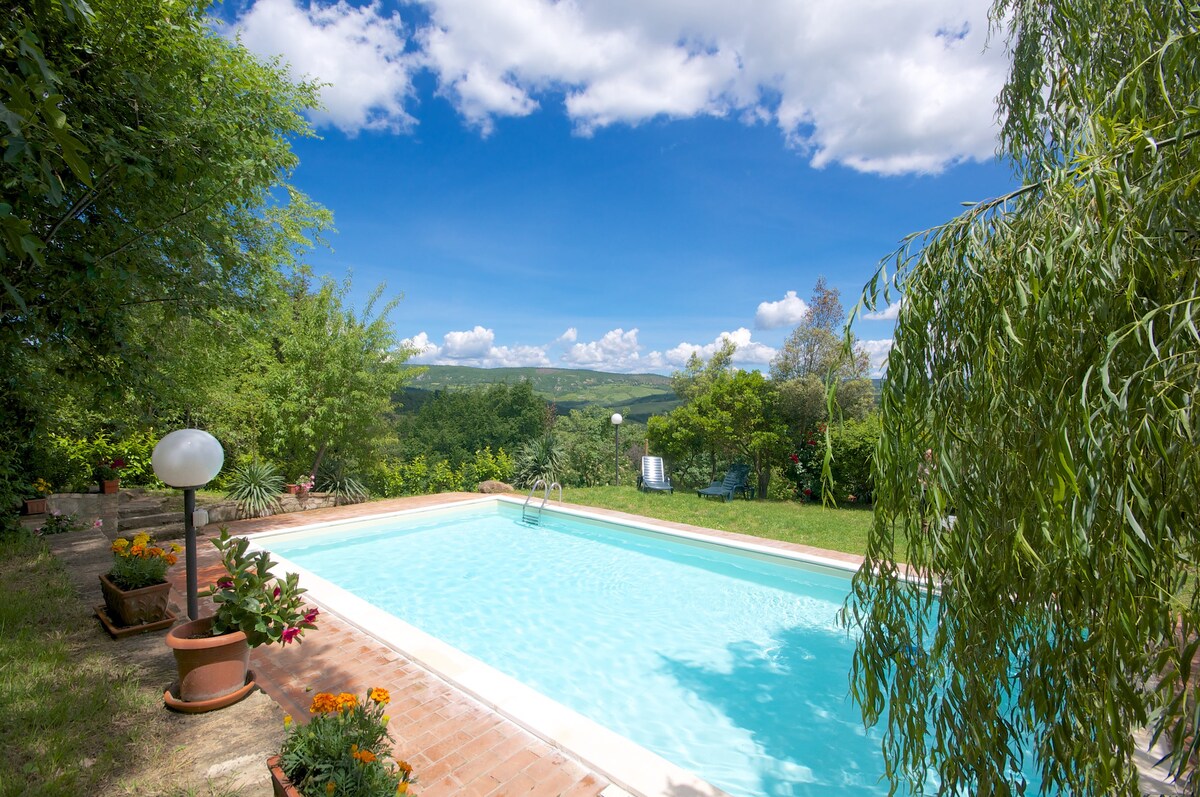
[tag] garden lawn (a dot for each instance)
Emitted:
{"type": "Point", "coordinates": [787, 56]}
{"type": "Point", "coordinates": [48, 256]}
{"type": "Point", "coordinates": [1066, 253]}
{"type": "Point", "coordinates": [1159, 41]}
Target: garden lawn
{"type": "Point", "coordinates": [843, 528]}
{"type": "Point", "coordinates": [72, 714]}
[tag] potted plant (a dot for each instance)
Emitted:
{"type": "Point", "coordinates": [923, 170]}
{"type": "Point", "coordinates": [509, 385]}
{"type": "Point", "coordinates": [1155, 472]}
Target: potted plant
{"type": "Point", "coordinates": [344, 750]}
{"type": "Point", "coordinates": [212, 654]}
{"type": "Point", "coordinates": [302, 485]}
{"type": "Point", "coordinates": [37, 504]}
{"type": "Point", "coordinates": [108, 475]}
{"type": "Point", "coordinates": [136, 588]}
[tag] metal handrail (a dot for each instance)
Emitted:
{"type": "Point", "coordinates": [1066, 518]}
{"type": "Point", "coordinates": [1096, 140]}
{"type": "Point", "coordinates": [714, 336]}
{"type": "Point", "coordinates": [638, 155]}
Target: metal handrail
{"type": "Point", "coordinates": [546, 489]}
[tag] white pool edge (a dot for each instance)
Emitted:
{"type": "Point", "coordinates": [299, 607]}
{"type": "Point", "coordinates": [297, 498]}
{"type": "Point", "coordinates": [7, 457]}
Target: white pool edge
{"type": "Point", "coordinates": [622, 761]}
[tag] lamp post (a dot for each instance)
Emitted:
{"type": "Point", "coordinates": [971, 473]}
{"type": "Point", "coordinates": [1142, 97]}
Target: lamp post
{"type": "Point", "coordinates": [188, 459]}
{"type": "Point", "coordinates": [616, 422]}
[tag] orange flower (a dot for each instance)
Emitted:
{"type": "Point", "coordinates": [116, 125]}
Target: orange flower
{"type": "Point", "coordinates": [137, 550]}
{"type": "Point", "coordinates": [380, 696]}
{"type": "Point", "coordinates": [171, 558]}
{"type": "Point", "coordinates": [153, 552]}
{"type": "Point", "coordinates": [323, 703]}
{"type": "Point", "coordinates": [404, 767]}
{"type": "Point", "coordinates": [346, 701]}
{"type": "Point", "coordinates": [331, 787]}
{"type": "Point", "coordinates": [365, 756]}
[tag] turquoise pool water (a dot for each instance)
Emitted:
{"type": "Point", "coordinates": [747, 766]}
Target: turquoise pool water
{"type": "Point", "coordinates": [730, 665]}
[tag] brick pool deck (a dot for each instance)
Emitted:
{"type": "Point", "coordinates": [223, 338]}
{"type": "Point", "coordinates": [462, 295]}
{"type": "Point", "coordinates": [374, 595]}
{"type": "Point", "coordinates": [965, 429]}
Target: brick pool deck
{"type": "Point", "coordinates": [456, 744]}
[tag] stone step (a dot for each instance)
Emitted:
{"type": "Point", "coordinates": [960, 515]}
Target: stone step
{"type": "Point", "coordinates": [144, 507]}
{"type": "Point", "coordinates": [165, 531]}
{"type": "Point", "coordinates": [147, 520]}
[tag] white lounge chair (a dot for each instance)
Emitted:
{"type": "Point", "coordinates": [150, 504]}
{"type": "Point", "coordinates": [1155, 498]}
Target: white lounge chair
{"type": "Point", "coordinates": [653, 477]}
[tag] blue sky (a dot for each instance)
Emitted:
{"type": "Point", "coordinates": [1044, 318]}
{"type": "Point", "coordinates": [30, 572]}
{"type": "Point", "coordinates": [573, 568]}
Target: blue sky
{"type": "Point", "coordinates": [612, 184]}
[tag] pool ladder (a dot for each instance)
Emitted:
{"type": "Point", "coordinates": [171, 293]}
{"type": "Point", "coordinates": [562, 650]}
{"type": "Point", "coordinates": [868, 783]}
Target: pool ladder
{"type": "Point", "coordinates": [533, 515]}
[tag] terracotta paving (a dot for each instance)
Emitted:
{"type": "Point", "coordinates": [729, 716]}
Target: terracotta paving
{"type": "Point", "coordinates": [456, 745]}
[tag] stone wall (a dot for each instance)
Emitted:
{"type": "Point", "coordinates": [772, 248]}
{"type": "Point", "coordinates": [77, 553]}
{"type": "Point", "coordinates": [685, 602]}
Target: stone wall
{"type": "Point", "coordinates": [87, 507]}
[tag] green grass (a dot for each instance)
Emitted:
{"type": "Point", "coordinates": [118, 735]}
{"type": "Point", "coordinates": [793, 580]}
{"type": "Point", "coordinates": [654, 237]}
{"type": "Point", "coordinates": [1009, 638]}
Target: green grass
{"type": "Point", "coordinates": [73, 714]}
{"type": "Point", "coordinates": [836, 529]}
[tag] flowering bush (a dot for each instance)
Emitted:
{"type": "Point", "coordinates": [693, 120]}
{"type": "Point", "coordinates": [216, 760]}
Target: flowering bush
{"type": "Point", "coordinates": [109, 469]}
{"type": "Point", "coordinates": [58, 523]}
{"type": "Point", "coordinates": [41, 487]}
{"type": "Point", "coordinates": [345, 749]}
{"type": "Point", "coordinates": [252, 600]}
{"type": "Point", "coordinates": [139, 563]}
{"type": "Point", "coordinates": [305, 483]}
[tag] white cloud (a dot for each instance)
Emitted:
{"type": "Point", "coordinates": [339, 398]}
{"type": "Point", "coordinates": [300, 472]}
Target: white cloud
{"type": "Point", "coordinates": [616, 351]}
{"type": "Point", "coordinates": [877, 353]}
{"type": "Point", "coordinates": [749, 352]}
{"type": "Point", "coordinates": [569, 336]}
{"type": "Point", "coordinates": [879, 87]}
{"type": "Point", "coordinates": [889, 313]}
{"type": "Point", "coordinates": [475, 347]}
{"type": "Point", "coordinates": [357, 50]}
{"type": "Point", "coordinates": [788, 311]}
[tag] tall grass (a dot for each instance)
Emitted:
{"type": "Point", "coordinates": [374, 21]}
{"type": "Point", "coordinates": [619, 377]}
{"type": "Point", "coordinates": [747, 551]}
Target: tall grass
{"type": "Point", "coordinates": [69, 710]}
{"type": "Point", "coordinates": [841, 528]}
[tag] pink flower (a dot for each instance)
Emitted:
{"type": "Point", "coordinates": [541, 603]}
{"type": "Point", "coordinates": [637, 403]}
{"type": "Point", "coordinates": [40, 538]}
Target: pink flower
{"type": "Point", "coordinates": [226, 584]}
{"type": "Point", "coordinates": [311, 615]}
{"type": "Point", "coordinates": [276, 593]}
{"type": "Point", "coordinates": [795, 458]}
{"type": "Point", "coordinates": [289, 634]}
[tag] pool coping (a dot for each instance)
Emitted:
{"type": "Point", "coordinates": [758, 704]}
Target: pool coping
{"type": "Point", "coordinates": [626, 764]}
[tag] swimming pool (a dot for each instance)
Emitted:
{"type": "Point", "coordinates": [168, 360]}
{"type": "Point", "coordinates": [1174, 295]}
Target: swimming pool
{"type": "Point", "coordinates": [729, 664]}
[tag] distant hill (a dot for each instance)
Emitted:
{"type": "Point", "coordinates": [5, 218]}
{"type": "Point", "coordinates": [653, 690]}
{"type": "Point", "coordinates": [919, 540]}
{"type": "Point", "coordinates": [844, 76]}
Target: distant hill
{"type": "Point", "coordinates": [637, 396]}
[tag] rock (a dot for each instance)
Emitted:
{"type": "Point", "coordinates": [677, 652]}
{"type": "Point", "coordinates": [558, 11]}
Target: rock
{"type": "Point", "coordinates": [493, 486]}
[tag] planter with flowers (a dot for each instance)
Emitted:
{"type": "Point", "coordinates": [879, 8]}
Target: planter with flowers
{"type": "Point", "coordinates": [108, 475]}
{"type": "Point", "coordinates": [36, 505]}
{"type": "Point", "coordinates": [212, 654]}
{"type": "Point", "coordinates": [302, 486]}
{"type": "Point", "coordinates": [136, 589]}
{"type": "Point", "coordinates": [344, 750]}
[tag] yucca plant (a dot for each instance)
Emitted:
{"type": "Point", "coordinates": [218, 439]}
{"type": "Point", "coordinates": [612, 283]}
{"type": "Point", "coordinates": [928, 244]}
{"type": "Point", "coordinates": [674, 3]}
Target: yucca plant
{"type": "Point", "coordinates": [540, 458]}
{"type": "Point", "coordinates": [256, 487]}
{"type": "Point", "coordinates": [346, 489]}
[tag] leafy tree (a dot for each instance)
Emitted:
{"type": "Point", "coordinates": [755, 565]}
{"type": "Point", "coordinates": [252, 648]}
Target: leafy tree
{"type": "Point", "coordinates": [1043, 386]}
{"type": "Point", "coordinates": [144, 181]}
{"type": "Point", "coordinates": [812, 357]}
{"type": "Point", "coordinates": [327, 380]}
{"type": "Point", "coordinates": [454, 424]}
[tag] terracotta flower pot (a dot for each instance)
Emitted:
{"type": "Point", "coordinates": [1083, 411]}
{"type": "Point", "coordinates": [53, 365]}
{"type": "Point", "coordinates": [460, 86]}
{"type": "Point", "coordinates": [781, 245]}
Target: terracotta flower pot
{"type": "Point", "coordinates": [135, 606]}
{"type": "Point", "coordinates": [213, 670]}
{"type": "Point", "coordinates": [279, 781]}
{"type": "Point", "coordinates": [35, 506]}
{"type": "Point", "coordinates": [110, 486]}
{"type": "Point", "coordinates": [292, 489]}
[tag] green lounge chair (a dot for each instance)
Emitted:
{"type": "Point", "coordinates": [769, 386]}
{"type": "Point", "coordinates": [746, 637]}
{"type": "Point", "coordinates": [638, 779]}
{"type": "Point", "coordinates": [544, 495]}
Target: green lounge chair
{"type": "Point", "coordinates": [734, 482]}
{"type": "Point", "coordinates": [653, 476]}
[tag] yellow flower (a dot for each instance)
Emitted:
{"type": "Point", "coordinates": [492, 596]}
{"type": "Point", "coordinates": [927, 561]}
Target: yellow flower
{"type": "Point", "coordinates": [287, 720]}
{"type": "Point", "coordinates": [142, 539]}
{"type": "Point", "coordinates": [402, 788]}
{"type": "Point", "coordinates": [385, 719]}
{"type": "Point", "coordinates": [380, 696]}
{"type": "Point", "coordinates": [176, 547]}
{"type": "Point", "coordinates": [120, 544]}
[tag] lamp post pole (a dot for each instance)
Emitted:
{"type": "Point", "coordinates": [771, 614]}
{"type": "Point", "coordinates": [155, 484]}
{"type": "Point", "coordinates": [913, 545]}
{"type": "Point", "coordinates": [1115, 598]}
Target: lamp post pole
{"type": "Point", "coordinates": [189, 531]}
{"type": "Point", "coordinates": [188, 459]}
{"type": "Point", "coordinates": [616, 422]}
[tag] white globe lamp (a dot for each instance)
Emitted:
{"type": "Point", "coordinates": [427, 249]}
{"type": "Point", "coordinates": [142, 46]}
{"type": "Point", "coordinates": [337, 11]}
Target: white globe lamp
{"type": "Point", "coordinates": [188, 459]}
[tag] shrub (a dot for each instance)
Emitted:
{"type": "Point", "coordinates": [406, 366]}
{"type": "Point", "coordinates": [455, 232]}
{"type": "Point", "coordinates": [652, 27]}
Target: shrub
{"type": "Point", "coordinates": [540, 458]}
{"type": "Point", "coordinates": [256, 486]}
